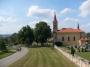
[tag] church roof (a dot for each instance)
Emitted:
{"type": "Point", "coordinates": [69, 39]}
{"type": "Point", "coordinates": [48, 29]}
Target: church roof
{"type": "Point", "coordinates": [69, 30]}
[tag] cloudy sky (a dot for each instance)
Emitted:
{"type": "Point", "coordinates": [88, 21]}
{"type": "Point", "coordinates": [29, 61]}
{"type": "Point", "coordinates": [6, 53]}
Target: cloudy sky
{"type": "Point", "coordinates": [14, 14]}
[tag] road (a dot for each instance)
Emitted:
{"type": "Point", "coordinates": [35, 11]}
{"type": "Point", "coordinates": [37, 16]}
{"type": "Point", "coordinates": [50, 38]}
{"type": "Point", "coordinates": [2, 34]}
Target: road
{"type": "Point", "coordinates": [12, 58]}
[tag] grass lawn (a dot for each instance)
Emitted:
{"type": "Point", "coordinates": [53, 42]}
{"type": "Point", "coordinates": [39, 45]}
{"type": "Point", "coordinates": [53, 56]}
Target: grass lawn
{"type": "Point", "coordinates": [85, 55]}
{"type": "Point", "coordinates": [4, 54]}
{"type": "Point", "coordinates": [43, 57]}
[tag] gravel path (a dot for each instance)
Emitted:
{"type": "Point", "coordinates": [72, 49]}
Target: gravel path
{"type": "Point", "coordinates": [12, 58]}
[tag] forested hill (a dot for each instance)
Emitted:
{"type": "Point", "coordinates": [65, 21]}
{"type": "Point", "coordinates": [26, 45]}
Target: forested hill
{"type": "Point", "coordinates": [5, 35]}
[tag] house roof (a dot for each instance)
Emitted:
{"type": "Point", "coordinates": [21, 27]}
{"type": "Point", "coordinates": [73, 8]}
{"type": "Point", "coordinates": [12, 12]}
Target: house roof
{"type": "Point", "coordinates": [69, 30]}
{"type": "Point", "coordinates": [83, 38]}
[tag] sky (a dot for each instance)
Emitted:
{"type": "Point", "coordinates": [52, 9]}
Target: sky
{"type": "Point", "coordinates": [14, 14]}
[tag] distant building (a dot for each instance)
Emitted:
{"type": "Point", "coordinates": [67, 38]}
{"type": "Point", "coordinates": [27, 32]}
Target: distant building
{"type": "Point", "coordinates": [88, 37]}
{"type": "Point", "coordinates": [68, 36]}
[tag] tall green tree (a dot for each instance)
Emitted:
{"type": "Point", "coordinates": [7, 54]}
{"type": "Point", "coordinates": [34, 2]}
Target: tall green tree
{"type": "Point", "coordinates": [42, 32]}
{"type": "Point", "coordinates": [2, 45]}
{"type": "Point", "coordinates": [26, 36]}
{"type": "Point", "coordinates": [13, 38]}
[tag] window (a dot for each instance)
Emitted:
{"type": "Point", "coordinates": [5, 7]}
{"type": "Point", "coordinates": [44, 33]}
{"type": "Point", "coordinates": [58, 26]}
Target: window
{"type": "Point", "coordinates": [74, 38]}
{"type": "Point", "coordinates": [62, 38]}
{"type": "Point", "coordinates": [68, 38]}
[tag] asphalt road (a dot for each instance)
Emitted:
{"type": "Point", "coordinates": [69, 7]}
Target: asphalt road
{"type": "Point", "coordinates": [12, 58]}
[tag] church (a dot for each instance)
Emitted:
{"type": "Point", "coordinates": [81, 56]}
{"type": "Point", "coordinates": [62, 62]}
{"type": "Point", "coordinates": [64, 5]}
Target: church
{"type": "Point", "coordinates": [68, 36]}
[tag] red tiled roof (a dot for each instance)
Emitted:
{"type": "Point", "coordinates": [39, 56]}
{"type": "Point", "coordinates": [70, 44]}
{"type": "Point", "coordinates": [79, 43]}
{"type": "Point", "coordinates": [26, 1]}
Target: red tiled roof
{"type": "Point", "coordinates": [83, 38]}
{"type": "Point", "coordinates": [69, 30]}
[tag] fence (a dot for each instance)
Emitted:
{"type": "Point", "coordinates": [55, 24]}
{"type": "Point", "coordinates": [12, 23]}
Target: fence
{"type": "Point", "coordinates": [80, 62]}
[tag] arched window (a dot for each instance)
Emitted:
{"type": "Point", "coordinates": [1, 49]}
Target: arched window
{"type": "Point", "coordinates": [68, 38]}
{"type": "Point", "coordinates": [62, 38]}
{"type": "Point", "coordinates": [74, 38]}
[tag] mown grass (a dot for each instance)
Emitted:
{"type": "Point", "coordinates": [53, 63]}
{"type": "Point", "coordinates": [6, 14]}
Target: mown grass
{"type": "Point", "coordinates": [85, 55]}
{"type": "Point", "coordinates": [43, 57]}
{"type": "Point", "coordinates": [5, 54]}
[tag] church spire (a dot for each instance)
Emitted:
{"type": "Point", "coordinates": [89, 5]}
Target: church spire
{"type": "Point", "coordinates": [55, 23]}
{"type": "Point", "coordinates": [78, 26]}
{"type": "Point", "coordinates": [55, 18]}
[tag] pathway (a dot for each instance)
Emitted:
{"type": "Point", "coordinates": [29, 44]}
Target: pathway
{"type": "Point", "coordinates": [12, 58]}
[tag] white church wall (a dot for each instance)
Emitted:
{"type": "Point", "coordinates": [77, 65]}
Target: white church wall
{"type": "Point", "coordinates": [71, 38]}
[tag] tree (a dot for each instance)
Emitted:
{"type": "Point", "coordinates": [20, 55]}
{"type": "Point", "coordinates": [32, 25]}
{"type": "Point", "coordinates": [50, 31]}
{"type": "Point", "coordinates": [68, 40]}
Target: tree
{"type": "Point", "coordinates": [26, 36]}
{"type": "Point", "coordinates": [14, 38]}
{"type": "Point", "coordinates": [42, 32]}
{"type": "Point", "coordinates": [2, 45]}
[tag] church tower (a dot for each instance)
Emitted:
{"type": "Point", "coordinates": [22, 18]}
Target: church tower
{"type": "Point", "coordinates": [78, 27]}
{"type": "Point", "coordinates": [55, 28]}
{"type": "Point", "coordinates": [55, 23]}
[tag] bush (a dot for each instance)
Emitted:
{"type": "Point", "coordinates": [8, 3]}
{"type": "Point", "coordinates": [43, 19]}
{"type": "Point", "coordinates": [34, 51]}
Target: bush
{"type": "Point", "coordinates": [82, 49]}
{"type": "Point", "coordinates": [72, 50]}
{"type": "Point", "coordinates": [59, 43]}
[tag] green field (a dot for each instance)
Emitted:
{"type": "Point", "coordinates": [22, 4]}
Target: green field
{"type": "Point", "coordinates": [85, 55]}
{"type": "Point", "coordinates": [43, 57]}
{"type": "Point", "coordinates": [5, 54]}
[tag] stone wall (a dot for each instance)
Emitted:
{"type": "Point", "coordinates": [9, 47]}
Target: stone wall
{"type": "Point", "coordinates": [80, 62]}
